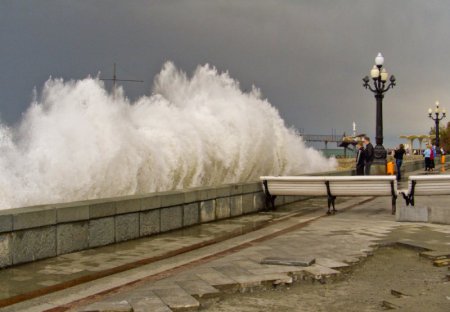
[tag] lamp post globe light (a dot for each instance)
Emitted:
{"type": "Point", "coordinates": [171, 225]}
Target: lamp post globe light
{"type": "Point", "coordinates": [438, 116]}
{"type": "Point", "coordinates": [380, 86]}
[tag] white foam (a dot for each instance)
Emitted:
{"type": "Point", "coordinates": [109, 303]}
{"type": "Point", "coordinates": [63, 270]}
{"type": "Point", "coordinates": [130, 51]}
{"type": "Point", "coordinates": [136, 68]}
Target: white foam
{"type": "Point", "coordinates": [77, 141]}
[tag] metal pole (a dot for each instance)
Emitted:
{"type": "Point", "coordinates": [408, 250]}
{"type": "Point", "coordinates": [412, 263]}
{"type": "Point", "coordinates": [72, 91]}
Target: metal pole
{"type": "Point", "coordinates": [438, 151]}
{"type": "Point", "coordinates": [379, 119]}
{"type": "Point", "coordinates": [379, 152]}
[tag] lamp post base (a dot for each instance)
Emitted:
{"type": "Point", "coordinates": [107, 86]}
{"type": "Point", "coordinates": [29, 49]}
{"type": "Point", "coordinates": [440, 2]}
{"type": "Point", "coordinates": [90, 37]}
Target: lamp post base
{"type": "Point", "coordinates": [379, 165]}
{"type": "Point", "coordinates": [378, 169]}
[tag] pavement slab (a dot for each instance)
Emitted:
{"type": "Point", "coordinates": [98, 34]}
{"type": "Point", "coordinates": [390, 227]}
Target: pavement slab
{"type": "Point", "coordinates": [330, 263]}
{"type": "Point", "coordinates": [153, 304]}
{"type": "Point", "coordinates": [249, 281]}
{"type": "Point", "coordinates": [321, 273]}
{"type": "Point", "coordinates": [436, 255]}
{"type": "Point", "coordinates": [218, 279]}
{"type": "Point", "coordinates": [294, 271]}
{"type": "Point", "coordinates": [177, 299]}
{"type": "Point", "coordinates": [199, 288]}
{"type": "Point", "coordinates": [307, 261]}
{"type": "Point", "coordinates": [122, 306]}
{"type": "Point", "coordinates": [235, 272]}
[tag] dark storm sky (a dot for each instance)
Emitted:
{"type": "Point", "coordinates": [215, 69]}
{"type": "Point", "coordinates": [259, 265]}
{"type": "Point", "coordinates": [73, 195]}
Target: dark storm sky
{"type": "Point", "coordinates": [307, 57]}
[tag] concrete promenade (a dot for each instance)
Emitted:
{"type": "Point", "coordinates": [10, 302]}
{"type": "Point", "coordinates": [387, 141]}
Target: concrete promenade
{"type": "Point", "coordinates": [183, 269]}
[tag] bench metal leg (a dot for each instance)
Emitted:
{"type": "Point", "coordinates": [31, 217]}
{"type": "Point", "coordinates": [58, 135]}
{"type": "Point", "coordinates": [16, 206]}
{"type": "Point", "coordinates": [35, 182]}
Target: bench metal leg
{"type": "Point", "coordinates": [331, 203]}
{"type": "Point", "coordinates": [394, 197]}
{"type": "Point", "coordinates": [406, 198]}
{"type": "Point", "coordinates": [270, 202]}
{"type": "Point", "coordinates": [394, 204]}
{"type": "Point", "coordinates": [409, 199]}
{"type": "Point", "coordinates": [411, 194]}
{"type": "Point", "coordinates": [331, 198]}
{"type": "Point", "coordinates": [270, 199]}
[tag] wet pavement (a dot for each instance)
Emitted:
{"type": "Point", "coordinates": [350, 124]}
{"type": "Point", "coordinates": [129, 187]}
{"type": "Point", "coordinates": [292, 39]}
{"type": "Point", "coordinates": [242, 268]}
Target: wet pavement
{"type": "Point", "coordinates": [179, 270]}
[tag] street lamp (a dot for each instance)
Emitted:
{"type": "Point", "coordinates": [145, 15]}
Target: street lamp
{"type": "Point", "coordinates": [380, 86]}
{"type": "Point", "coordinates": [436, 119]}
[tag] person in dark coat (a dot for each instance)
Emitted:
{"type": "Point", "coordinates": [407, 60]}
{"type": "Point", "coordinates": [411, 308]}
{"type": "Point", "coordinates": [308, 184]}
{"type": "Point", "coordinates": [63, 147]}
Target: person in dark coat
{"type": "Point", "coordinates": [360, 159]}
{"type": "Point", "coordinates": [369, 154]}
{"type": "Point", "coordinates": [398, 155]}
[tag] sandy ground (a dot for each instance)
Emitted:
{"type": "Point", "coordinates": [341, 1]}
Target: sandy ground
{"type": "Point", "coordinates": [364, 288]}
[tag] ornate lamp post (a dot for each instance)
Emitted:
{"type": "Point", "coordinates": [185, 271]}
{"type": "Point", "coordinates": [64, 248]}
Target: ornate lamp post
{"type": "Point", "coordinates": [380, 86]}
{"type": "Point", "coordinates": [436, 119]}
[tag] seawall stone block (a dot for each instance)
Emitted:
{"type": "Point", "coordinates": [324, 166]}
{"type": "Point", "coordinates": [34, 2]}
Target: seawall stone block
{"type": "Point", "coordinates": [223, 208]}
{"type": "Point", "coordinates": [101, 232]}
{"type": "Point", "coordinates": [150, 202]}
{"type": "Point", "coordinates": [191, 214]}
{"type": "Point", "coordinates": [211, 193]}
{"type": "Point", "coordinates": [191, 196]}
{"type": "Point", "coordinates": [128, 205]}
{"type": "Point", "coordinates": [251, 187]}
{"type": "Point", "coordinates": [34, 244]}
{"type": "Point", "coordinates": [207, 210]}
{"type": "Point", "coordinates": [223, 191]}
{"type": "Point", "coordinates": [127, 226]}
{"type": "Point", "coordinates": [6, 223]}
{"type": "Point", "coordinates": [236, 205]}
{"type": "Point", "coordinates": [289, 199]}
{"type": "Point", "coordinates": [72, 237]}
{"type": "Point", "coordinates": [173, 198]}
{"type": "Point", "coordinates": [279, 201]}
{"type": "Point", "coordinates": [30, 218]}
{"type": "Point", "coordinates": [72, 213]}
{"type": "Point", "coordinates": [101, 210]}
{"type": "Point", "coordinates": [149, 222]}
{"type": "Point", "coordinates": [171, 218]}
{"type": "Point", "coordinates": [5, 250]}
{"type": "Point", "coordinates": [204, 194]}
{"type": "Point", "coordinates": [259, 201]}
{"type": "Point", "coordinates": [235, 189]}
{"type": "Point", "coordinates": [247, 203]}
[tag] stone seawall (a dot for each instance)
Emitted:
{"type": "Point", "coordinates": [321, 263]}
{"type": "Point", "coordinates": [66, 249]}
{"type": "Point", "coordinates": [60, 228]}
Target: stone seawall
{"type": "Point", "coordinates": [38, 232]}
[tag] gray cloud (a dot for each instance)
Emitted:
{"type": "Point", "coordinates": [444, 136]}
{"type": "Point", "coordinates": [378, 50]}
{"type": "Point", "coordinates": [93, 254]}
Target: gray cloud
{"type": "Point", "coordinates": [307, 57]}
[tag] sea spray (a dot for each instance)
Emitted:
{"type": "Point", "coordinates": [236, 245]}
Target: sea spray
{"type": "Point", "coordinates": [77, 141]}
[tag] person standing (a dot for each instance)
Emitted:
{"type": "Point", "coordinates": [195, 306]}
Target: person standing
{"type": "Point", "coordinates": [427, 154]}
{"type": "Point", "coordinates": [360, 159]}
{"type": "Point", "coordinates": [369, 155]}
{"type": "Point", "coordinates": [398, 155]}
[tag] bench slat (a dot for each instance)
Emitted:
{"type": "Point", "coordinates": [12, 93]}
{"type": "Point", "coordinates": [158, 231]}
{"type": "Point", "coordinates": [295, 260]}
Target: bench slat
{"type": "Point", "coordinates": [313, 188]}
{"type": "Point", "coordinates": [361, 188]}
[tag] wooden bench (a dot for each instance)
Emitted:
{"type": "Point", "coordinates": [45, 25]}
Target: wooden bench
{"type": "Point", "coordinates": [426, 185]}
{"type": "Point", "coordinates": [329, 186]}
